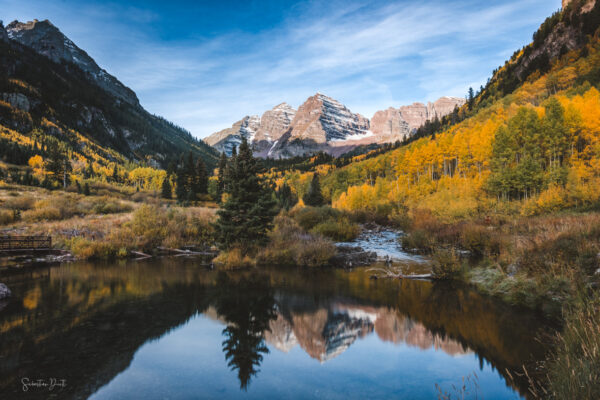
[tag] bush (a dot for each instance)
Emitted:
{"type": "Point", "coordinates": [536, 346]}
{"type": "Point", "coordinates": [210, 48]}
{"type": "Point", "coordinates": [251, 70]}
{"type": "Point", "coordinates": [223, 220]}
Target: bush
{"type": "Point", "coordinates": [419, 240]}
{"type": "Point", "coordinates": [326, 221]}
{"type": "Point", "coordinates": [290, 245]}
{"type": "Point", "coordinates": [233, 259]}
{"type": "Point", "coordinates": [6, 217]}
{"type": "Point", "coordinates": [341, 230]}
{"type": "Point", "coordinates": [105, 205]}
{"type": "Point", "coordinates": [309, 217]}
{"type": "Point", "coordinates": [21, 203]}
{"type": "Point", "coordinates": [445, 265]}
{"type": "Point", "coordinates": [89, 249]}
{"type": "Point", "coordinates": [44, 213]}
{"type": "Point", "coordinates": [479, 240]}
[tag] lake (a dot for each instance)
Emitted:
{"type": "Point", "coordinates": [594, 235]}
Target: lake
{"type": "Point", "coordinates": [173, 329]}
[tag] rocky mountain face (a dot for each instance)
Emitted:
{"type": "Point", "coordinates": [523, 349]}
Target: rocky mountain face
{"type": "Point", "coordinates": [227, 139]}
{"type": "Point", "coordinates": [324, 124]}
{"type": "Point", "coordinates": [49, 41]}
{"type": "Point", "coordinates": [273, 125]}
{"type": "Point", "coordinates": [49, 85]}
{"type": "Point", "coordinates": [326, 333]}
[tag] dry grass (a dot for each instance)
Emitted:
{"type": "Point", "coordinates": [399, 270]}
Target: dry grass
{"type": "Point", "coordinates": [103, 226]}
{"type": "Point", "coordinates": [534, 261]}
{"type": "Point", "coordinates": [234, 259]}
{"type": "Point", "coordinates": [291, 245]}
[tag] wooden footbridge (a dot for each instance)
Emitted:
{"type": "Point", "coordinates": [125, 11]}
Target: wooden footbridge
{"type": "Point", "coordinates": [9, 244]}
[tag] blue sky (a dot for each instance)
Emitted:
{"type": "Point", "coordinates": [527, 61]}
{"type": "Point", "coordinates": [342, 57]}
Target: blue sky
{"type": "Point", "coordinates": [206, 64]}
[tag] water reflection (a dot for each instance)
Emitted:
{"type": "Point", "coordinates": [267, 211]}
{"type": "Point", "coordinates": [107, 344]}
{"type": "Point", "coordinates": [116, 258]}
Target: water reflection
{"type": "Point", "coordinates": [86, 322]}
{"type": "Point", "coordinates": [248, 306]}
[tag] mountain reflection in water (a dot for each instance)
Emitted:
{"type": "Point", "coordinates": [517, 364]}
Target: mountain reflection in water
{"type": "Point", "coordinates": [101, 327]}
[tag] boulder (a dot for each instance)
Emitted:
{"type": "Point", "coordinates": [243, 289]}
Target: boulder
{"type": "Point", "coordinates": [17, 100]}
{"type": "Point", "coordinates": [353, 256]}
{"type": "Point", "coordinates": [4, 291]}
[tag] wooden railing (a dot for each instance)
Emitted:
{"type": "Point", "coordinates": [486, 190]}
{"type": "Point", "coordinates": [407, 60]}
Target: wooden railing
{"type": "Point", "coordinates": [25, 242]}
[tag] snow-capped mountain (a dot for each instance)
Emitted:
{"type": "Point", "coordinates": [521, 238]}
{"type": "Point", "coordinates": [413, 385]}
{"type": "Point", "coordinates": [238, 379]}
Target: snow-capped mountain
{"type": "Point", "coordinates": [225, 140]}
{"type": "Point", "coordinates": [49, 41]}
{"type": "Point", "coordinates": [324, 124]}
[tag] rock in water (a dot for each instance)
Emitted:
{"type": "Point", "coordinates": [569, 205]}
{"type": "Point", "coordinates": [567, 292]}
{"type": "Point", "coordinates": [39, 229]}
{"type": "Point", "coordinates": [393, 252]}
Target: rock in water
{"type": "Point", "coordinates": [4, 291]}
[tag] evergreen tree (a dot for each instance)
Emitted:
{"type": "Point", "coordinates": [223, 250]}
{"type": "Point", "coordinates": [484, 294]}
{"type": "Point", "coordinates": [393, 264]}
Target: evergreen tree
{"type": "Point", "coordinates": [115, 174]}
{"type": "Point", "coordinates": [166, 192]}
{"type": "Point", "coordinates": [248, 213]}
{"type": "Point", "coordinates": [180, 190]}
{"type": "Point", "coordinates": [89, 171]}
{"type": "Point", "coordinates": [471, 98]}
{"type": "Point", "coordinates": [57, 162]}
{"type": "Point", "coordinates": [201, 178]}
{"type": "Point", "coordinates": [286, 197]}
{"type": "Point", "coordinates": [221, 177]}
{"type": "Point", "coordinates": [314, 197]}
{"type": "Point", "coordinates": [86, 189]}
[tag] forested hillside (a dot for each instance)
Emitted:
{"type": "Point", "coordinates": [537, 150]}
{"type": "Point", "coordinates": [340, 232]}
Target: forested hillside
{"type": "Point", "coordinates": [529, 150]}
{"type": "Point", "coordinates": [55, 110]}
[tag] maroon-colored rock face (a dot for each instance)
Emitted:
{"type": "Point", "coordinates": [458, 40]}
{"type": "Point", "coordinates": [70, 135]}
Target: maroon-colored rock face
{"type": "Point", "coordinates": [389, 123]}
{"type": "Point", "coordinates": [324, 124]}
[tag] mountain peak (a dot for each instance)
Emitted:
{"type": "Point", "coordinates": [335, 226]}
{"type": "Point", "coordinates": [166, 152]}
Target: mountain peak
{"type": "Point", "coordinates": [48, 40]}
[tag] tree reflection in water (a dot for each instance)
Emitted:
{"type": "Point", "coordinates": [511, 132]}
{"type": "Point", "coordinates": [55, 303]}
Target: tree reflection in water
{"type": "Point", "coordinates": [248, 306]}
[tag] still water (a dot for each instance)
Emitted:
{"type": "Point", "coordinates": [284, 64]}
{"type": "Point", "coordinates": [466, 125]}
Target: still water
{"type": "Point", "coordinates": [172, 329]}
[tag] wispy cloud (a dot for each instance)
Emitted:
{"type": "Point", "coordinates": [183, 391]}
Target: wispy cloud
{"type": "Point", "coordinates": [367, 55]}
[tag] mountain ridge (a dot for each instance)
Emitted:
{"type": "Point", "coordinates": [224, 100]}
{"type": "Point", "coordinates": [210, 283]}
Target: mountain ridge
{"type": "Point", "coordinates": [45, 91]}
{"type": "Point", "coordinates": [48, 40]}
{"type": "Point", "coordinates": [322, 123]}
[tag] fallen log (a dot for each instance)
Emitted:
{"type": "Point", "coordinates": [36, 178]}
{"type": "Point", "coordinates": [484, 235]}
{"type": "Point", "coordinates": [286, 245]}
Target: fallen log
{"type": "Point", "coordinates": [185, 252]}
{"type": "Point", "coordinates": [140, 254]}
{"type": "Point", "coordinates": [390, 273]}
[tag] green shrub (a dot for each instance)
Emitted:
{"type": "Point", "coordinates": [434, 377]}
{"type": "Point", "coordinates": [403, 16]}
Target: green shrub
{"type": "Point", "coordinates": [111, 206]}
{"type": "Point", "coordinates": [290, 245]}
{"type": "Point", "coordinates": [445, 264]}
{"type": "Point", "coordinates": [341, 230]}
{"type": "Point", "coordinates": [309, 217]}
{"type": "Point", "coordinates": [419, 240]}
{"type": "Point", "coordinates": [479, 240]}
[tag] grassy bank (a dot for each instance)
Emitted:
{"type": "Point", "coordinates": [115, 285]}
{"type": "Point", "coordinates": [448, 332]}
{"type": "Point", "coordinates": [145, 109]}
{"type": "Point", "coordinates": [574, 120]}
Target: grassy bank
{"type": "Point", "coordinates": [549, 263]}
{"type": "Point", "coordinates": [538, 262]}
{"type": "Point", "coordinates": [109, 224]}
{"type": "Point", "coordinates": [303, 237]}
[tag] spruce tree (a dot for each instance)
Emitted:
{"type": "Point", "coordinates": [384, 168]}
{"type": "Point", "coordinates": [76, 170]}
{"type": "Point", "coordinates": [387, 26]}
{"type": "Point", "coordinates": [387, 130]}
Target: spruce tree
{"type": "Point", "coordinates": [86, 189]}
{"type": "Point", "coordinates": [286, 198]}
{"type": "Point", "coordinates": [166, 188]}
{"type": "Point", "coordinates": [201, 177]}
{"type": "Point", "coordinates": [248, 213]}
{"type": "Point", "coordinates": [221, 177]}
{"type": "Point", "coordinates": [471, 99]}
{"type": "Point", "coordinates": [180, 190]}
{"type": "Point", "coordinates": [314, 197]}
{"type": "Point", "coordinates": [115, 174]}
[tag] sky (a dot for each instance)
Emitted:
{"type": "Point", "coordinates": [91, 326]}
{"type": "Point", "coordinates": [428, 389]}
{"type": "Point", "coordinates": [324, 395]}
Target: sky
{"type": "Point", "coordinates": [206, 64]}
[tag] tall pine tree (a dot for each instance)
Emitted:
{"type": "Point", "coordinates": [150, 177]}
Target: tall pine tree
{"type": "Point", "coordinates": [248, 212]}
{"type": "Point", "coordinates": [166, 191]}
{"type": "Point", "coordinates": [221, 177]}
{"type": "Point", "coordinates": [314, 197]}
